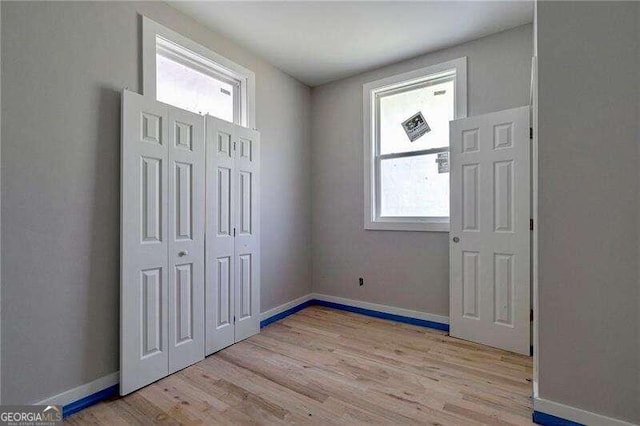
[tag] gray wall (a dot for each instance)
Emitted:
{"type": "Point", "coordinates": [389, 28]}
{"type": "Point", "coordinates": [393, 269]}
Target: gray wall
{"type": "Point", "coordinates": [63, 67]}
{"type": "Point", "coordinates": [402, 269]}
{"type": "Point", "coordinates": [589, 326]}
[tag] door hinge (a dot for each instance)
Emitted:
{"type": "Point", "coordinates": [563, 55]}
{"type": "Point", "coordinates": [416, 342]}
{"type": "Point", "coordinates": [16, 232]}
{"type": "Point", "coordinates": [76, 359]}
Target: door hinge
{"type": "Point", "coordinates": [234, 232]}
{"type": "Point", "coordinates": [234, 319]}
{"type": "Point", "coordinates": [234, 146]}
{"type": "Point", "coordinates": [531, 224]}
{"type": "Point", "coordinates": [530, 132]}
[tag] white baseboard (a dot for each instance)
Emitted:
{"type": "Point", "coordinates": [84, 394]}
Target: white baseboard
{"type": "Point", "coordinates": [575, 414]}
{"type": "Point", "coordinates": [82, 391]}
{"type": "Point", "coordinates": [291, 304]}
{"type": "Point", "coordinates": [382, 308]}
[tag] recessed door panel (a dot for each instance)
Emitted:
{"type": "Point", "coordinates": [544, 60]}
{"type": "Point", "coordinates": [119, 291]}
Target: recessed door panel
{"type": "Point", "coordinates": [503, 196]}
{"type": "Point", "coordinates": [470, 207]}
{"type": "Point", "coordinates": [470, 141]}
{"type": "Point", "coordinates": [151, 202]}
{"type": "Point", "coordinates": [184, 200]}
{"type": "Point", "coordinates": [503, 288]}
{"type": "Point", "coordinates": [503, 136]}
{"type": "Point", "coordinates": [245, 148]}
{"type": "Point", "coordinates": [151, 296]}
{"type": "Point", "coordinates": [245, 203]}
{"type": "Point", "coordinates": [224, 201]}
{"type": "Point", "coordinates": [151, 128]}
{"type": "Point", "coordinates": [470, 280]}
{"type": "Point", "coordinates": [245, 285]}
{"type": "Point", "coordinates": [223, 276]}
{"type": "Point", "coordinates": [183, 135]}
{"type": "Point", "coordinates": [224, 144]}
{"type": "Point", "coordinates": [184, 303]}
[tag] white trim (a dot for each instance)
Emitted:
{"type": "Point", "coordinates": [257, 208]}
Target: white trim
{"type": "Point", "coordinates": [82, 391]}
{"type": "Point", "coordinates": [534, 205]}
{"type": "Point", "coordinates": [575, 414]}
{"type": "Point", "coordinates": [534, 216]}
{"type": "Point", "coordinates": [371, 221]}
{"type": "Point", "coordinates": [387, 224]}
{"type": "Point", "coordinates": [247, 78]}
{"type": "Point", "coordinates": [279, 309]}
{"type": "Point", "coordinates": [382, 308]}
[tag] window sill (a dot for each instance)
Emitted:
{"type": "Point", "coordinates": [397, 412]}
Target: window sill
{"type": "Point", "coordinates": [407, 226]}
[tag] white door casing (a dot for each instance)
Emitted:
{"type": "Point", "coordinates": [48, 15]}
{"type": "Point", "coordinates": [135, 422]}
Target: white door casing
{"type": "Point", "coordinates": [247, 244]}
{"type": "Point", "coordinates": [489, 244]}
{"type": "Point", "coordinates": [220, 213]}
{"type": "Point", "coordinates": [185, 216]}
{"type": "Point", "coordinates": [160, 304]}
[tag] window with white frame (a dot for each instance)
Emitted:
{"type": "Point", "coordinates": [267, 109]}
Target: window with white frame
{"type": "Point", "coordinates": [407, 174]}
{"type": "Point", "coordinates": [182, 73]}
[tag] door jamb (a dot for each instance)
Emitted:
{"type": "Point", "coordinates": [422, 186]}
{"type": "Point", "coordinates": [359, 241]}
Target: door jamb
{"type": "Point", "coordinates": [534, 216]}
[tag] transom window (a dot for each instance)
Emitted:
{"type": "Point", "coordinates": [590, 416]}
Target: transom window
{"type": "Point", "coordinates": [407, 147]}
{"type": "Point", "coordinates": [192, 83]}
{"type": "Point", "coordinates": [185, 74]}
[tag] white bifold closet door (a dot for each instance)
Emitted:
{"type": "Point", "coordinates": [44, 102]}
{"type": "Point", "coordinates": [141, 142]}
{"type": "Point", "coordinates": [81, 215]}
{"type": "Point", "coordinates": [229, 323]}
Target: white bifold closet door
{"type": "Point", "coordinates": [162, 241]}
{"type": "Point", "coordinates": [233, 246]}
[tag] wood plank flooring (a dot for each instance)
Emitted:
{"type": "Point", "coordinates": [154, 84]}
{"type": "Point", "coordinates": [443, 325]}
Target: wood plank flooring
{"type": "Point", "coordinates": [322, 366]}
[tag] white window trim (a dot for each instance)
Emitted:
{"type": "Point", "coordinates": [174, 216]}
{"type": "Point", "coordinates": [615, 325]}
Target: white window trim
{"type": "Point", "coordinates": [372, 220]}
{"type": "Point", "coordinates": [221, 66]}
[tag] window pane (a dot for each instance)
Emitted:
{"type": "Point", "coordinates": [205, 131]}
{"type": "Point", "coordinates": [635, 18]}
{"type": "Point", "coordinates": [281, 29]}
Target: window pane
{"type": "Point", "coordinates": [412, 187]}
{"type": "Point", "coordinates": [436, 102]}
{"type": "Point", "coordinates": [186, 88]}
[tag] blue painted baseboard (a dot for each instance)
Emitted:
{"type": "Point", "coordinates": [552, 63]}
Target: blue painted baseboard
{"type": "Point", "coordinates": [88, 401]}
{"type": "Point", "coordinates": [284, 314]}
{"type": "Point", "coordinates": [354, 309]}
{"type": "Point", "coordinates": [383, 315]}
{"type": "Point", "coordinates": [549, 420]}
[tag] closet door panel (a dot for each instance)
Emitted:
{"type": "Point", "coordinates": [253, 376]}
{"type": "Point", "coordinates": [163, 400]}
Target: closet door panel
{"type": "Point", "coordinates": [186, 238]}
{"type": "Point", "coordinates": [144, 344]}
{"type": "Point", "coordinates": [220, 223]}
{"type": "Point", "coordinates": [247, 242]}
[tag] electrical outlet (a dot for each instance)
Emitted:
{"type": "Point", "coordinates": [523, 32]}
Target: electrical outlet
{"type": "Point", "coordinates": [361, 281]}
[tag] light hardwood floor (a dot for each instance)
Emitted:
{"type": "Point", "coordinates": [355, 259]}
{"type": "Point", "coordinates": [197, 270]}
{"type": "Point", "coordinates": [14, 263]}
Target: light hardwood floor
{"type": "Point", "coordinates": [322, 366]}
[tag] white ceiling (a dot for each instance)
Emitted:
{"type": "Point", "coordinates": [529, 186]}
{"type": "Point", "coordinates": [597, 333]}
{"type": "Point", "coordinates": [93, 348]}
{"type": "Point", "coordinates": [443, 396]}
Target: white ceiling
{"type": "Point", "coordinates": [318, 42]}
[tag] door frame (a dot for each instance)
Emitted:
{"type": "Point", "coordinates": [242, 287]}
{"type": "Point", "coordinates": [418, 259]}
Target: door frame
{"type": "Point", "coordinates": [534, 215]}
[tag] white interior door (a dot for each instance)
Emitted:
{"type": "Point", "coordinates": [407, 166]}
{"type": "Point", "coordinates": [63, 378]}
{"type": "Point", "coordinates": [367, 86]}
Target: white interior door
{"type": "Point", "coordinates": [247, 244]}
{"type": "Point", "coordinates": [185, 216]}
{"type": "Point", "coordinates": [490, 212]}
{"type": "Point", "coordinates": [162, 196]}
{"type": "Point", "coordinates": [220, 234]}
